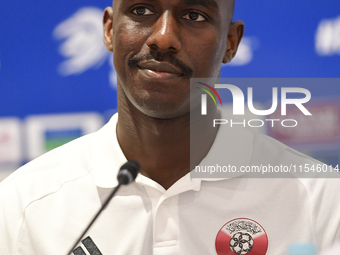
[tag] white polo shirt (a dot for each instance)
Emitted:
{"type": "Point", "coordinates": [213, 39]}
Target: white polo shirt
{"type": "Point", "coordinates": [45, 205]}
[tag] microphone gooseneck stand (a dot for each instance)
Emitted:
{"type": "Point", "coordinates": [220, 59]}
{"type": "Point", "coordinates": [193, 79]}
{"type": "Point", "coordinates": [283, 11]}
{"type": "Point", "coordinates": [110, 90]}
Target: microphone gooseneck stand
{"type": "Point", "coordinates": [127, 174]}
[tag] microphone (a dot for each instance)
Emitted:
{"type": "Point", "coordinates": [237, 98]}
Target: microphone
{"type": "Point", "coordinates": [127, 174]}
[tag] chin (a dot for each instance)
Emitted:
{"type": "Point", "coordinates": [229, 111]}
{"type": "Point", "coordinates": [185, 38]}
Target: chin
{"type": "Point", "coordinates": [161, 107]}
{"type": "Point", "coordinates": [164, 111]}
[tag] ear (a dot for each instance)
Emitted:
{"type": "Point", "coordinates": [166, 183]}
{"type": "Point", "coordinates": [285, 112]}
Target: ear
{"type": "Point", "coordinates": [108, 28]}
{"type": "Point", "coordinates": [235, 34]}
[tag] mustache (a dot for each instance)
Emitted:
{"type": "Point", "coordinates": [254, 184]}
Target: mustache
{"type": "Point", "coordinates": [159, 56]}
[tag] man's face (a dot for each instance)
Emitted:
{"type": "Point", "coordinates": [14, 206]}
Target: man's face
{"type": "Point", "coordinates": [159, 45]}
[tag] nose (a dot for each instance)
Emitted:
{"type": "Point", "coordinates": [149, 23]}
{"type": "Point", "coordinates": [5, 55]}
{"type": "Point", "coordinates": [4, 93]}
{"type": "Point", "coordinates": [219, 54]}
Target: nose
{"type": "Point", "coordinates": [165, 34]}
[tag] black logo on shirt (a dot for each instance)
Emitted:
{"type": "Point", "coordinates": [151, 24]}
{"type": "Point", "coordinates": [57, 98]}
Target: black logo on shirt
{"type": "Point", "coordinates": [90, 246]}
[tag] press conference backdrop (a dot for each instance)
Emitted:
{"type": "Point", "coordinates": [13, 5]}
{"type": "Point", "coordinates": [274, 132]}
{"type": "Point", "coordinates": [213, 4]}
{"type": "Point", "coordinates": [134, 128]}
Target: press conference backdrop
{"type": "Point", "coordinates": [57, 81]}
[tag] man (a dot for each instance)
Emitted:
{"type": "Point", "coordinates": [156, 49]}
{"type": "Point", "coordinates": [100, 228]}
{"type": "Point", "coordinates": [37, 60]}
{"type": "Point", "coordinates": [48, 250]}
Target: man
{"type": "Point", "coordinates": [158, 46]}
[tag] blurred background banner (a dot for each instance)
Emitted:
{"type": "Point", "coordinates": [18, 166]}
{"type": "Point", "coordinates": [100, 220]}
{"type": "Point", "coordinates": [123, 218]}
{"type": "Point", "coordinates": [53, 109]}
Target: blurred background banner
{"type": "Point", "coordinates": [57, 81]}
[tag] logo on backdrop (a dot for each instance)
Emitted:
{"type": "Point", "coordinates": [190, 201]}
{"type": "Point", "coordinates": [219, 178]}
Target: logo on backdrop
{"type": "Point", "coordinates": [83, 45]}
{"type": "Point", "coordinates": [327, 38]}
{"type": "Point", "coordinates": [241, 236]}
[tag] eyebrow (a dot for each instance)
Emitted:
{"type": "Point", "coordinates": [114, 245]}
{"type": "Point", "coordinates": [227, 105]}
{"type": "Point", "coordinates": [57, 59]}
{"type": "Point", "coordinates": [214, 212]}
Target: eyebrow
{"type": "Point", "coordinates": [205, 3]}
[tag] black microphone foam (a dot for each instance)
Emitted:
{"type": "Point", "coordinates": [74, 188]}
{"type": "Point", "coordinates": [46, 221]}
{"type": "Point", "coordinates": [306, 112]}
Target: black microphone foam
{"type": "Point", "coordinates": [128, 172]}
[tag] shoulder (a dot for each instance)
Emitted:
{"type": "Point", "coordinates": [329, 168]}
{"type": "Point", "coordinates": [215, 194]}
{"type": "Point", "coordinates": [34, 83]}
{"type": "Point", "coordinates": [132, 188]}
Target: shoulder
{"type": "Point", "coordinates": [269, 158]}
{"type": "Point", "coordinates": [39, 180]}
{"type": "Point", "coordinates": [67, 163]}
{"type": "Point", "coordinates": [308, 178]}
{"type": "Point", "coordinates": [320, 181]}
{"type": "Point", "coordinates": [271, 150]}
{"type": "Point", "coordinates": [49, 172]}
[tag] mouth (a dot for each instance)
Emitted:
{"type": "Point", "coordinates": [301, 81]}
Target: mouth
{"type": "Point", "coordinates": [159, 70]}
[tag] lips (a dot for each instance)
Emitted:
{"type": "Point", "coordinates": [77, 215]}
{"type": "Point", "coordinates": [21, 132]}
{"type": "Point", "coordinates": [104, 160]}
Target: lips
{"type": "Point", "coordinates": [160, 67]}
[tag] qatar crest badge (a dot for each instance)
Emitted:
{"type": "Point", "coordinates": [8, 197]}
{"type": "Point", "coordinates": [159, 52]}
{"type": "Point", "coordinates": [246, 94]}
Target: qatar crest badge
{"type": "Point", "coordinates": [242, 236]}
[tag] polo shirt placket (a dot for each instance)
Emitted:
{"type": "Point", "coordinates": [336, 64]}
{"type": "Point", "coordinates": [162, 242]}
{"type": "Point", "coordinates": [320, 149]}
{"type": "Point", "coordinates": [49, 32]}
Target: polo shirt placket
{"type": "Point", "coordinates": [165, 215]}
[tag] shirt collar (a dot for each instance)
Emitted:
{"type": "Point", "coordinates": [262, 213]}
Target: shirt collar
{"type": "Point", "coordinates": [108, 156]}
{"type": "Point", "coordinates": [232, 146]}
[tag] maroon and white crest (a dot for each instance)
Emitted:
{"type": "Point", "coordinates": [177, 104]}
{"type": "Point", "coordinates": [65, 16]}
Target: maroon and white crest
{"type": "Point", "coordinates": [241, 236]}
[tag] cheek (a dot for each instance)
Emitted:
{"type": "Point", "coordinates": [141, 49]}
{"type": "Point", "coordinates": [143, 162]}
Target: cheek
{"type": "Point", "coordinates": [128, 41]}
{"type": "Point", "coordinates": [206, 54]}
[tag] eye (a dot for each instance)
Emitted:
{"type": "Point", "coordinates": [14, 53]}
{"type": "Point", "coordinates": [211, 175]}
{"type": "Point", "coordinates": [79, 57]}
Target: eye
{"type": "Point", "coordinates": [142, 11]}
{"type": "Point", "coordinates": [194, 16]}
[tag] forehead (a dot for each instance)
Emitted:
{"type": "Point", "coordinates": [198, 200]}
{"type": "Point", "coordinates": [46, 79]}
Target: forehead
{"type": "Point", "coordinates": [216, 4]}
{"type": "Point", "coordinates": [206, 3]}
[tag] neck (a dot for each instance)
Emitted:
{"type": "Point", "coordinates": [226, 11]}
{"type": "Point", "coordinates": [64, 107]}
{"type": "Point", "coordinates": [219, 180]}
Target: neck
{"type": "Point", "coordinates": [162, 146]}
